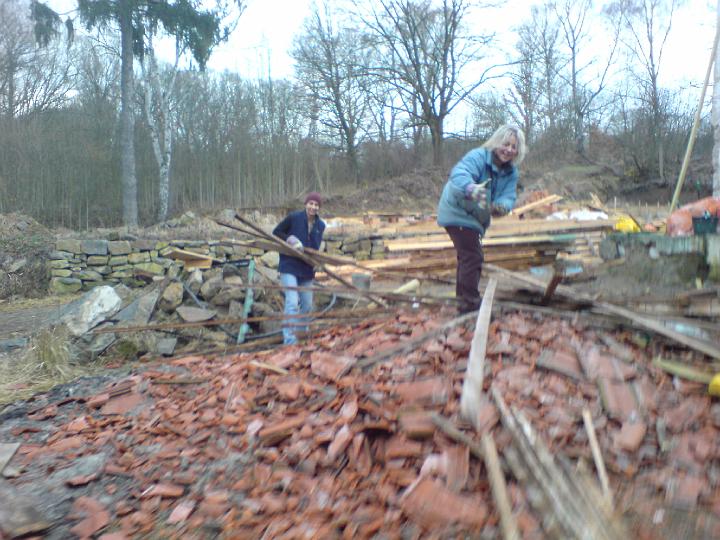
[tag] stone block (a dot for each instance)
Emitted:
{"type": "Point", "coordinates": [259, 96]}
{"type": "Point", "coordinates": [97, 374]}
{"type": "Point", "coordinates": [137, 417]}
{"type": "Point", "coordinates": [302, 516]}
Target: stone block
{"type": "Point", "coordinates": [61, 272]}
{"type": "Point", "coordinates": [88, 275]}
{"type": "Point", "coordinates": [119, 247]}
{"type": "Point", "coordinates": [65, 285]}
{"type": "Point", "coordinates": [118, 260]}
{"type": "Point", "coordinates": [66, 244]}
{"type": "Point", "coordinates": [94, 247]}
{"type": "Point", "coordinates": [143, 245]}
{"type": "Point", "coordinates": [59, 264]}
{"type": "Point", "coordinates": [98, 260]}
{"type": "Point", "coordinates": [151, 268]}
{"type": "Point", "coordinates": [58, 255]}
{"type": "Point", "coordinates": [141, 257]}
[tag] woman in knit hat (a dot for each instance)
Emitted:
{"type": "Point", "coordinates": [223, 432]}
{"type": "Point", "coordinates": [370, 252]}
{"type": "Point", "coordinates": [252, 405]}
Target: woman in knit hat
{"type": "Point", "coordinates": [300, 229]}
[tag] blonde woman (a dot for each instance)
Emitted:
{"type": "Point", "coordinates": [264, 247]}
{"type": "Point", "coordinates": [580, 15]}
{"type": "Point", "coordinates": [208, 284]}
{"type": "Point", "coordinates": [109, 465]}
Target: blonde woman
{"type": "Point", "coordinates": [482, 184]}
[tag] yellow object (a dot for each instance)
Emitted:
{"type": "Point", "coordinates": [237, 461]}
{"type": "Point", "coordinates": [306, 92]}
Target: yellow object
{"type": "Point", "coordinates": [714, 386]}
{"type": "Point", "coordinates": [626, 224]}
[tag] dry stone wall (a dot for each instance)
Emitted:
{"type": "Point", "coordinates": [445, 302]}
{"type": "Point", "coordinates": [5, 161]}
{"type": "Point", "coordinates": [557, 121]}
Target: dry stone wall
{"type": "Point", "coordinates": [82, 264]}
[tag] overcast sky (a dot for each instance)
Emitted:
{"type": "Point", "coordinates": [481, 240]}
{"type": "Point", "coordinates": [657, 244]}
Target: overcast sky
{"type": "Point", "coordinates": [263, 37]}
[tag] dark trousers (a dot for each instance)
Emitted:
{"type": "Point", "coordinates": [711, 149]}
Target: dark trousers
{"type": "Point", "coordinates": [469, 266]}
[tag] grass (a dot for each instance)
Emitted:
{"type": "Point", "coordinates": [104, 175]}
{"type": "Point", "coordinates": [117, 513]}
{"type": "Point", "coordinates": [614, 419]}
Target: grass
{"type": "Point", "coordinates": [46, 363]}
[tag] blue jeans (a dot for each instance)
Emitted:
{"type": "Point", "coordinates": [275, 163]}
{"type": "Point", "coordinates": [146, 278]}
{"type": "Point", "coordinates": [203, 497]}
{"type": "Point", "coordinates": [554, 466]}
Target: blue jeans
{"type": "Point", "coordinates": [295, 302]}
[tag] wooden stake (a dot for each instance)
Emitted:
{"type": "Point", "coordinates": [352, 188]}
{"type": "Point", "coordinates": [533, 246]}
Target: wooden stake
{"type": "Point", "coordinates": [499, 489]}
{"type": "Point", "coordinates": [597, 457]}
{"type": "Point", "coordinates": [696, 124]}
{"type": "Point", "coordinates": [470, 399]}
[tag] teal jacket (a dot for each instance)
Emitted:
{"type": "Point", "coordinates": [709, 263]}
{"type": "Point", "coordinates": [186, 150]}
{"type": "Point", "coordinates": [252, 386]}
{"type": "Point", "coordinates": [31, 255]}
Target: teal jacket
{"type": "Point", "coordinates": [456, 209]}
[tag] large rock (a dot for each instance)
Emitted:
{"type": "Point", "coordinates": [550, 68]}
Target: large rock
{"type": "Point", "coordinates": [171, 297]}
{"type": "Point", "coordinates": [211, 287]}
{"type": "Point", "coordinates": [227, 294]}
{"type": "Point", "coordinates": [271, 259]}
{"type": "Point", "coordinates": [91, 309]}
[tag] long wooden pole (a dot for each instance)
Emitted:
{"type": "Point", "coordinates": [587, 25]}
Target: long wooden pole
{"type": "Point", "coordinates": [306, 258]}
{"type": "Point", "coordinates": [696, 124]}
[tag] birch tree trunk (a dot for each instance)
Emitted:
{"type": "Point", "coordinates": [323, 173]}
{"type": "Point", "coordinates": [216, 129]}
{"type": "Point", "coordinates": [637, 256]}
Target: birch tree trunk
{"type": "Point", "coordinates": [157, 115]}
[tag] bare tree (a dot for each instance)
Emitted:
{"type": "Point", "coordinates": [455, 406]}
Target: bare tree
{"type": "Point", "coordinates": [587, 78]}
{"type": "Point", "coordinates": [426, 52]}
{"type": "Point", "coordinates": [525, 95]}
{"type": "Point", "coordinates": [647, 25]}
{"type": "Point", "coordinates": [330, 65]}
{"type": "Point", "coordinates": [31, 80]}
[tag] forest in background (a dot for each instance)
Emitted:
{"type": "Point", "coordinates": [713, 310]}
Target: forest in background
{"type": "Point", "coordinates": [371, 100]}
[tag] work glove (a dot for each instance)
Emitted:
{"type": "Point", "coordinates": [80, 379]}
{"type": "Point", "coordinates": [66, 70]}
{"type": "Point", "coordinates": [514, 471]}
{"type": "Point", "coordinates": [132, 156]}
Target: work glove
{"type": "Point", "coordinates": [477, 193]}
{"type": "Point", "coordinates": [498, 210]}
{"type": "Point", "coordinates": [295, 242]}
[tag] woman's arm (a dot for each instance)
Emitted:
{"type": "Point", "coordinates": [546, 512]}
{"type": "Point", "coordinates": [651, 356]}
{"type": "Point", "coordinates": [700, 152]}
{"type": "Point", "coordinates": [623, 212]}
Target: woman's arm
{"type": "Point", "coordinates": [470, 169]}
{"type": "Point", "coordinates": [282, 229]}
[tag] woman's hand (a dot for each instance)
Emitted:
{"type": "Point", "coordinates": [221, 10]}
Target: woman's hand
{"type": "Point", "coordinates": [295, 242]}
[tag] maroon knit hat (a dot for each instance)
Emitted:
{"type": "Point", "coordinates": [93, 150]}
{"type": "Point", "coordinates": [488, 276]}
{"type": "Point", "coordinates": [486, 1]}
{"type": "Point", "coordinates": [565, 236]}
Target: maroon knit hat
{"type": "Point", "coordinates": [313, 196]}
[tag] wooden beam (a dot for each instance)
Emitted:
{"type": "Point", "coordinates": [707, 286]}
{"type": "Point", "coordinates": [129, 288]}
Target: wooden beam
{"type": "Point", "coordinates": [472, 389]}
{"type": "Point", "coordinates": [597, 456]}
{"type": "Point", "coordinates": [520, 210]}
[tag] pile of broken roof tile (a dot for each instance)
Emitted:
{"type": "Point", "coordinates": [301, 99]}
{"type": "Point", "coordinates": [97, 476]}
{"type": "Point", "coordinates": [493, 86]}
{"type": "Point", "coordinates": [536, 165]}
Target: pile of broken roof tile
{"type": "Point", "coordinates": [299, 443]}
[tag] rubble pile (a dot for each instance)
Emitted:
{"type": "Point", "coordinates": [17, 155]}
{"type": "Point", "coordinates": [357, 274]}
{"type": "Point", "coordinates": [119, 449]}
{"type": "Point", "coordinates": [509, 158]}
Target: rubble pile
{"type": "Point", "coordinates": [334, 438]}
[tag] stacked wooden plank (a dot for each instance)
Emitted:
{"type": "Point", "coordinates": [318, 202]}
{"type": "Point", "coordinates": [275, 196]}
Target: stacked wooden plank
{"type": "Point", "coordinates": [425, 247]}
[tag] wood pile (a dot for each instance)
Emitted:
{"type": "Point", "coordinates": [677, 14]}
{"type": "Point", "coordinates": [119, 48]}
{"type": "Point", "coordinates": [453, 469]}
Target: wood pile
{"type": "Point", "coordinates": [420, 246]}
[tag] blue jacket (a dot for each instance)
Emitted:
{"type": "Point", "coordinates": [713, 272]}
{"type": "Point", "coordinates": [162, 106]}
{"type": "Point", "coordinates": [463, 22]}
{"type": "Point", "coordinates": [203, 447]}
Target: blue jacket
{"type": "Point", "coordinates": [296, 224]}
{"type": "Point", "coordinates": [455, 209]}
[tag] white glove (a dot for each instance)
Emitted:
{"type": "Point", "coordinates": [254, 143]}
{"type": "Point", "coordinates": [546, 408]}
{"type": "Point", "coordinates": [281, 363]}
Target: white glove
{"type": "Point", "coordinates": [294, 242]}
{"type": "Point", "coordinates": [477, 193]}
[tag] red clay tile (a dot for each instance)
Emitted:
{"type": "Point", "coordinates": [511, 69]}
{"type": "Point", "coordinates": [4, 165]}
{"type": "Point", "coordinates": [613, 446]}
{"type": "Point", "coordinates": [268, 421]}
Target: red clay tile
{"type": "Point", "coordinates": [98, 401]}
{"type": "Point", "coordinates": [630, 437]}
{"type": "Point", "coordinates": [114, 536]}
{"type": "Point", "coordinates": [330, 366]}
{"type": "Point", "coordinates": [81, 480]}
{"type": "Point", "coordinates": [416, 424]}
{"type": "Point", "coordinates": [69, 443]}
{"type": "Point", "coordinates": [339, 443]}
{"type": "Point", "coordinates": [288, 388]}
{"type": "Point", "coordinates": [617, 398]}
{"type": "Point", "coordinates": [163, 490]}
{"type": "Point", "coordinates": [399, 446]}
{"type": "Point", "coordinates": [686, 413]}
{"type": "Point", "coordinates": [274, 434]}
{"type": "Point", "coordinates": [181, 512]}
{"type": "Point", "coordinates": [683, 491]}
{"type": "Point", "coordinates": [432, 391]}
{"type": "Point", "coordinates": [77, 425]}
{"type": "Point", "coordinates": [96, 517]}
{"type": "Point", "coordinates": [122, 404]}
{"type": "Point", "coordinates": [563, 362]}
{"type": "Point", "coordinates": [434, 507]}
{"type": "Point", "coordinates": [458, 467]}
{"type": "Point", "coordinates": [348, 411]}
